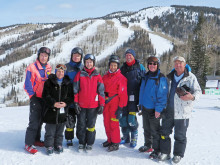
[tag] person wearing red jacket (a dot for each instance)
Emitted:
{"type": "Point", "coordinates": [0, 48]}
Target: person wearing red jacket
{"type": "Point", "coordinates": [36, 74]}
{"type": "Point", "coordinates": [89, 100]}
{"type": "Point", "coordinates": [115, 99]}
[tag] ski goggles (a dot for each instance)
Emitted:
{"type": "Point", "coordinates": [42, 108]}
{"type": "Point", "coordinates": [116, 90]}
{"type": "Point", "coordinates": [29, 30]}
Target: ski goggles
{"type": "Point", "coordinates": [61, 66]}
{"type": "Point", "coordinates": [44, 50]}
{"type": "Point", "coordinates": [89, 56]}
{"type": "Point", "coordinates": [152, 63]}
{"type": "Point", "coordinates": [77, 50]}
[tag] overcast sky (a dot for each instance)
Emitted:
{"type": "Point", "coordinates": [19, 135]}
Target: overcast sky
{"type": "Point", "coordinates": [46, 11]}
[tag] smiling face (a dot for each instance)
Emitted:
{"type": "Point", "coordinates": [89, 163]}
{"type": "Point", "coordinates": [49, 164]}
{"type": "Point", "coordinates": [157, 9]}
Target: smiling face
{"type": "Point", "coordinates": [89, 64]}
{"type": "Point", "coordinates": [179, 67]}
{"type": "Point", "coordinates": [113, 67]}
{"type": "Point", "coordinates": [43, 58]}
{"type": "Point", "coordinates": [76, 57]}
{"type": "Point", "coordinates": [60, 73]}
{"type": "Point", "coordinates": [129, 57]}
{"type": "Point", "coordinates": [152, 66]}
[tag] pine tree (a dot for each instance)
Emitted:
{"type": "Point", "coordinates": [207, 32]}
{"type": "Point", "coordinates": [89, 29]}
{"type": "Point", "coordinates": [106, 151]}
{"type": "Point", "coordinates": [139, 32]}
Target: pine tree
{"type": "Point", "coordinates": [199, 60]}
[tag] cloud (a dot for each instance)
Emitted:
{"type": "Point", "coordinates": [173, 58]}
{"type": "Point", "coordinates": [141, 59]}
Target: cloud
{"type": "Point", "coordinates": [66, 6]}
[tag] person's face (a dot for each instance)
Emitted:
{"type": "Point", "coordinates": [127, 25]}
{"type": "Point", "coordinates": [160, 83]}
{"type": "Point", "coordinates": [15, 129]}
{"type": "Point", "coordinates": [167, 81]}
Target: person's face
{"type": "Point", "coordinates": [129, 57]}
{"type": "Point", "coordinates": [89, 64]}
{"type": "Point", "coordinates": [60, 73]}
{"type": "Point", "coordinates": [43, 58]}
{"type": "Point", "coordinates": [76, 57]}
{"type": "Point", "coordinates": [152, 66]}
{"type": "Point", "coordinates": [113, 66]}
{"type": "Point", "coordinates": [179, 66]}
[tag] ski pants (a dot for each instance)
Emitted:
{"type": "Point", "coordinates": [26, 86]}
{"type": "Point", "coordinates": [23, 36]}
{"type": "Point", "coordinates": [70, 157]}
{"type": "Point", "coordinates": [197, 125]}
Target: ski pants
{"type": "Point", "coordinates": [33, 132]}
{"type": "Point", "coordinates": [53, 135]}
{"type": "Point", "coordinates": [151, 127]}
{"type": "Point", "coordinates": [86, 126]}
{"type": "Point", "coordinates": [180, 128]}
{"type": "Point", "coordinates": [110, 122]}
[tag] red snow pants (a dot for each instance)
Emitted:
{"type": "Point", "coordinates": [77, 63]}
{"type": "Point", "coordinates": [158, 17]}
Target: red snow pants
{"type": "Point", "coordinates": [110, 122]}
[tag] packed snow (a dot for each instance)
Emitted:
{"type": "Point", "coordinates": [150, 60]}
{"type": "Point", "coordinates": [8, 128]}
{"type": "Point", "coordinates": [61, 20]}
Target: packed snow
{"type": "Point", "coordinates": [202, 148]}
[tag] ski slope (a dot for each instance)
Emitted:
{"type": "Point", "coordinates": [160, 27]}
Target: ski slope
{"type": "Point", "coordinates": [202, 148]}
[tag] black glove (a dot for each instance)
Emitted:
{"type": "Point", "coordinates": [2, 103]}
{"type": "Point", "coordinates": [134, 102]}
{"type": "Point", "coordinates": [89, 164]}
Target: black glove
{"type": "Point", "coordinates": [100, 109]}
{"type": "Point", "coordinates": [77, 108]}
{"type": "Point", "coordinates": [118, 113]}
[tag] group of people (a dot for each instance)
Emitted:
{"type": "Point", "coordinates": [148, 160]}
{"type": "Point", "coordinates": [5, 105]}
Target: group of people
{"type": "Point", "coordinates": [79, 93]}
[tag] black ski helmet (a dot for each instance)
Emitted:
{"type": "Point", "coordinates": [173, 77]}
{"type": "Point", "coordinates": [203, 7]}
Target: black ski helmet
{"type": "Point", "coordinates": [114, 58]}
{"type": "Point", "coordinates": [43, 50]}
{"type": "Point", "coordinates": [89, 56]}
{"type": "Point", "coordinates": [153, 59]}
{"type": "Point", "coordinates": [77, 50]}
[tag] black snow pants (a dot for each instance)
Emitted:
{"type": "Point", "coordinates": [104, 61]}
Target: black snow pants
{"type": "Point", "coordinates": [33, 132]}
{"type": "Point", "coordinates": [151, 127]}
{"type": "Point", "coordinates": [180, 128]}
{"type": "Point", "coordinates": [86, 126]}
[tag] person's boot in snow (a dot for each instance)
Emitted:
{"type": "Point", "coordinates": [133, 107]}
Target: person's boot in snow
{"type": "Point", "coordinates": [81, 147]}
{"type": "Point", "coordinates": [145, 149]}
{"type": "Point", "coordinates": [88, 148]}
{"type": "Point", "coordinates": [176, 159]}
{"type": "Point", "coordinates": [154, 155]}
{"type": "Point", "coordinates": [126, 136]}
{"type": "Point", "coordinates": [106, 144]}
{"type": "Point", "coordinates": [163, 157]}
{"type": "Point", "coordinates": [134, 136]}
{"type": "Point", "coordinates": [31, 149]}
{"type": "Point", "coordinates": [49, 150]}
{"type": "Point", "coordinates": [59, 149]}
{"type": "Point", "coordinates": [113, 147]}
{"type": "Point", "coordinates": [39, 143]}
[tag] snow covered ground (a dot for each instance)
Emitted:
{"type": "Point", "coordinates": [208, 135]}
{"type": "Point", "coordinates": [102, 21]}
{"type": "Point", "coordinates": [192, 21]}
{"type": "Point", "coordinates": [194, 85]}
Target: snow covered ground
{"type": "Point", "coordinates": [203, 141]}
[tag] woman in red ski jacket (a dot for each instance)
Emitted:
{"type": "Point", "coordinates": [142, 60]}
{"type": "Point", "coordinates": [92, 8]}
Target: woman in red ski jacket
{"type": "Point", "coordinates": [116, 98]}
{"type": "Point", "coordinates": [89, 100]}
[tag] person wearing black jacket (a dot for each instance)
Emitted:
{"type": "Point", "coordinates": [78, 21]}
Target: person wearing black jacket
{"type": "Point", "coordinates": [58, 95]}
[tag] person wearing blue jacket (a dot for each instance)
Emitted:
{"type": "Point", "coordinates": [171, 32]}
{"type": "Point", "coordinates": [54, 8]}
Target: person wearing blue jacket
{"type": "Point", "coordinates": [73, 67]}
{"type": "Point", "coordinates": [133, 71]}
{"type": "Point", "coordinates": [152, 101]}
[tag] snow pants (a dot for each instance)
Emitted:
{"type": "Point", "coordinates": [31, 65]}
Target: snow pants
{"type": "Point", "coordinates": [110, 122]}
{"type": "Point", "coordinates": [151, 127]}
{"type": "Point", "coordinates": [86, 126]}
{"type": "Point", "coordinates": [70, 124]}
{"type": "Point", "coordinates": [53, 135]}
{"type": "Point", "coordinates": [180, 128]}
{"type": "Point", "coordinates": [33, 132]}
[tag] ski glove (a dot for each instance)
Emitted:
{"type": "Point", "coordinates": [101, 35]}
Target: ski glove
{"type": "Point", "coordinates": [132, 119]}
{"type": "Point", "coordinates": [77, 108]}
{"type": "Point", "coordinates": [100, 109]}
{"type": "Point", "coordinates": [118, 113]}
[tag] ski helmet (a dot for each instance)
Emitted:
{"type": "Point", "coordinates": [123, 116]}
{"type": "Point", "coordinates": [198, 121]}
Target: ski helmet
{"type": "Point", "coordinates": [43, 50]}
{"type": "Point", "coordinates": [89, 56]}
{"type": "Point", "coordinates": [77, 50]}
{"type": "Point", "coordinates": [114, 58]}
{"type": "Point", "coordinates": [153, 59]}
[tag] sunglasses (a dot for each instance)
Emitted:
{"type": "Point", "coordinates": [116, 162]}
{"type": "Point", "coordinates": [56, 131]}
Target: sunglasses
{"type": "Point", "coordinates": [152, 63]}
{"type": "Point", "coordinates": [61, 66]}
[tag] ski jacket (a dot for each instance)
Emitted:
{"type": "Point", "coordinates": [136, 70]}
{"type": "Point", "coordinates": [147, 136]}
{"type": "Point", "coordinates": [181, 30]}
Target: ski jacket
{"type": "Point", "coordinates": [134, 75]}
{"type": "Point", "coordinates": [183, 109]}
{"type": "Point", "coordinates": [116, 84]}
{"type": "Point", "coordinates": [36, 75]}
{"type": "Point", "coordinates": [72, 69]}
{"type": "Point", "coordinates": [89, 90]}
{"type": "Point", "coordinates": [53, 93]}
{"type": "Point", "coordinates": [153, 92]}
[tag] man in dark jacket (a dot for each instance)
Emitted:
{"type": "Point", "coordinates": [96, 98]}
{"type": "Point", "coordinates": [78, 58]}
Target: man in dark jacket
{"type": "Point", "coordinates": [73, 67]}
{"type": "Point", "coordinates": [58, 95]}
{"type": "Point", "coordinates": [133, 71]}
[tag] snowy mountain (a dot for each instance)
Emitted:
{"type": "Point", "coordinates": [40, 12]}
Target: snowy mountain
{"type": "Point", "coordinates": [202, 143]}
{"type": "Point", "coordinates": [100, 36]}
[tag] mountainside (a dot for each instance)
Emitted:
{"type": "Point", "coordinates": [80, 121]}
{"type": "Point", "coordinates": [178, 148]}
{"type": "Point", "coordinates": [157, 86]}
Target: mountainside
{"type": "Point", "coordinates": [145, 31]}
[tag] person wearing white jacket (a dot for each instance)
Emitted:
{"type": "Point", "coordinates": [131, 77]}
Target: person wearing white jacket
{"type": "Point", "coordinates": [184, 89]}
